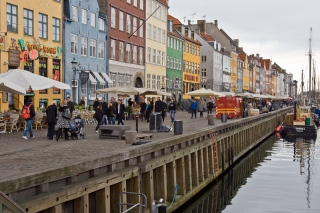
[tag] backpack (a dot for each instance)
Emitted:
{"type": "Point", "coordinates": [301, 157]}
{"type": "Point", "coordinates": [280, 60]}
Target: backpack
{"type": "Point", "coordinates": [66, 114]}
{"type": "Point", "coordinates": [25, 114]}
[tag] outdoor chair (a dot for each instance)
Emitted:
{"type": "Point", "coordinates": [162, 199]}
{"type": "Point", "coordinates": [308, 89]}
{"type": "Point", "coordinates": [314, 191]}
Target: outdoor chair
{"type": "Point", "coordinates": [38, 120]}
{"type": "Point", "coordinates": [12, 123]}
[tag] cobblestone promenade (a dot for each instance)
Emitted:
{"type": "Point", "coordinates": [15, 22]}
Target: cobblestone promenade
{"type": "Point", "coordinates": [20, 157]}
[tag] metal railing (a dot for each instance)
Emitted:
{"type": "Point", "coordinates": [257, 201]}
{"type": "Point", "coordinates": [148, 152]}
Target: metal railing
{"type": "Point", "coordinates": [9, 204]}
{"type": "Point", "coordinates": [133, 205]}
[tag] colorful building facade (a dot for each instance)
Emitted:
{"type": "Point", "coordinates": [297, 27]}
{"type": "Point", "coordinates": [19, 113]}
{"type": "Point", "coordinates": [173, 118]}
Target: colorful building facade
{"type": "Point", "coordinates": [31, 39]}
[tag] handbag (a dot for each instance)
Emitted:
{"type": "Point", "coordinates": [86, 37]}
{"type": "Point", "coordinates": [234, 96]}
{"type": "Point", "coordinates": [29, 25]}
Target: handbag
{"type": "Point", "coordinates": [66, 114]}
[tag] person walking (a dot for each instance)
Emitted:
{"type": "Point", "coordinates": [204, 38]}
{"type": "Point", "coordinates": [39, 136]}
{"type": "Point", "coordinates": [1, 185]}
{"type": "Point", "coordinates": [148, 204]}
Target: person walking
{"type": "Point", "coordinates": [143, 106]}
{"type": "Point", "coordinates": [98, 115]}
{"type": "Point", "coordinates": [70, 105]}
{"type": "Point", "coordinates": [194, 107]}
{"type": "Point", "coordinates": [201, 107]}
{"type": "Point", "coordinates": [148, 111]}
{"type": "Point", "coordinates": [64, 116]}
{"type": "Point", "coordinates": [172, 110]}
{"type": "Point", "coordinates": [96, 103]}
{"type": "Point", "coordinates": [158, 105]}
{"type": "Point", "coordinates": [82, 102]}
{"type": "Point", "coordinates": [111, 114]}
{"type": "Point", "coordinates": [209, 106]}
{"type": "Point", "coordinates": [51, 119]}
{"type": "Point", "coordinates": [163, 109]}
{"type": "Point", "coordinates": [120, 112]}
{"type": "Point", "coordinates": [29, 120]}
{"type": "Point", "coordinates": [104, 106]}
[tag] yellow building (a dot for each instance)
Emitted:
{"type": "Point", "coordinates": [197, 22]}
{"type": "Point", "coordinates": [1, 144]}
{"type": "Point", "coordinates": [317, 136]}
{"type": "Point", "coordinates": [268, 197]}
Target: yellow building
{"type": "Point", "coordinates": [156, 47]}
{"type": "Point", "coordinates": [245, 73]}
{"type": "Point", "coordinates": [234, 71]}
{"type": "Point", "coordinates": [31, 39]}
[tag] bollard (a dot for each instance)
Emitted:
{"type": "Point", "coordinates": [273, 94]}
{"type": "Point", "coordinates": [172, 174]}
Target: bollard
{"type": "Point", "coordinates": [210, 119]}
{"type": "Point", "coordinates": [178, 127]}
{"type": "Point", "coordinates": [131, 136]}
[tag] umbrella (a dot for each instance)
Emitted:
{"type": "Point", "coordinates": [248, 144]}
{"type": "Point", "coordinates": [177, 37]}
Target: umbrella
{"type": "Point", "coordinates": [28, 79]}
{"type": "Point", "coordinates": [8, 86]}
{"type": "Point", "coordinates": [244, 95]}
{"type": "Point", "coordinates": [203, 92]}
{"type": "Point", "coordinates": [155, 92]}
{"type": "Point", "coordinates": [126, 90]}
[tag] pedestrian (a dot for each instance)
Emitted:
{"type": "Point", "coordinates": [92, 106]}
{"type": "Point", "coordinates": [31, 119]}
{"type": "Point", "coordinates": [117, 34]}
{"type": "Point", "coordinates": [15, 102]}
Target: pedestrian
{"type": "Point", "coordinates": [120, 112]}
{"type": "Point", "coordinates": [96, 103]}
{"type": "Point", "coordinates": [115, 106]}
{"type": "Point", "coordinates": [201, 107]}
{"type": "Point", "coordinates": [29, 120]}
{"type": "Point", "coordinates": [148, 111]}
{"type": "Point", "coordinates": [111, 114]}
{"type": "Point", "coordinates": [158, 105]}
{"type": "Point", "coordinates": [51, 119]}
{"type": "Point", "coordinates": [98, 115]}
{"type": "Point", "coordinates": [163, 109]}
{"type": "Point", "coordinates": [209, 106]}
{"type": "Point", "coordinates": [172, 110]}
{"type": "Point", "coordinates": [150, 105]}
{"type": "Point", "coordinates": [130, 102]}
{"type": "Point", "coordinates": [143, 106]}
{"type": "Point", "coordinates": [104, 106]}
{"type": "Point", "coordinates": [64, 116]}
{"type": "Point", "coordinates": [70, 105]}
{"type": "Point", "coordinates": [194, 107]}
{"type": "Point", "coordinates": [82, 102]}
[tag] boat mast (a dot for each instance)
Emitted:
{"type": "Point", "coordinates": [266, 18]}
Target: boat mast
{"type": "Point", "coordinates": [310, 58]}
{"type": "Point", "coordinates": [302, 84]}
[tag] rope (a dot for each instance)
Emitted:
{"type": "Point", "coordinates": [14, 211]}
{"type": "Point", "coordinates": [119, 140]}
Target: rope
{"type": "Point", "coordinates": [174, 196]}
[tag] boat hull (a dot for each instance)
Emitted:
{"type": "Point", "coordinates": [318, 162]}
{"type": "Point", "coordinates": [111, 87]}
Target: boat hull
{"type": "Point", "coordinates": [299, 130]}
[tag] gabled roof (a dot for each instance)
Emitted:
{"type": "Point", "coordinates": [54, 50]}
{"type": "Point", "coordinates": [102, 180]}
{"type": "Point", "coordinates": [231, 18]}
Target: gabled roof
{"type": "Point", "coordinates": [175, 21]}
{"type": "Point", "coordinates": [164, 2]}
{"type": "Point", "coordinates": [176, 33]}
{"type": "Point", "coordinates": [242, 56]}
{"type": "Point", "coordinates": [192, 40]}
{"type": "Point", "coordinates": [206, 36]}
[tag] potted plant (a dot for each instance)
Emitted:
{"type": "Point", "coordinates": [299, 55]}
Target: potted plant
{"type": "Point", "coordinates": [128, 110]}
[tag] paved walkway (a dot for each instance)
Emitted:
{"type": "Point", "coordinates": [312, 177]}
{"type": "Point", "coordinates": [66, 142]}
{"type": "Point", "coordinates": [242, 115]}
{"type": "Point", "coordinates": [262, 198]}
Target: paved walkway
{"type": "Point", "coordinates": [20, 157]}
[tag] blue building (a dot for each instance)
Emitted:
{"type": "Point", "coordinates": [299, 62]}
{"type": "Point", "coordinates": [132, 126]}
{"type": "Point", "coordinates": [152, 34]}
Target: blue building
{"type": "Point", "coordinates": [85, 34]}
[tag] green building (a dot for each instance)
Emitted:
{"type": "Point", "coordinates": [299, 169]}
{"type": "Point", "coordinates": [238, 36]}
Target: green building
{"type": "Point", "coordinates": [174, 60]}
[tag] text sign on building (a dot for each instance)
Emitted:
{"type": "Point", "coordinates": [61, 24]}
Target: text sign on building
{"type": "Point", "coordinates": [83, 76]}
{"type": "Point", "coordinates": [14, 58]}
{"type": "Point", "coordinates": [176, 86]}
{"type": "Point", "coordinates": [2, 43]}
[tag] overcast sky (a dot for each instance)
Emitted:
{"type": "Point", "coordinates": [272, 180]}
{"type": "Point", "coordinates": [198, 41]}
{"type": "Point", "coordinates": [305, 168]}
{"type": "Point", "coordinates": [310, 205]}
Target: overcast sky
{"type": "Point", "coordinates": [276, 29]}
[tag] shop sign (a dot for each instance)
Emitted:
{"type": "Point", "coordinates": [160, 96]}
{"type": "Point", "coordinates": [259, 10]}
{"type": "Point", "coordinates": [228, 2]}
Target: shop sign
{"type": "Point", "coordinates": [40, 48]}
{"type": "Point", "coordinates": [33, 54]}
{"type": "Point", "coordinates": [190, 78]}
{"type": "Point", "coordinates": [14, 57]}
{"type": "Point", "coordinates": [84, 76]}
{"type": "Point", "coordinates": [2, 43]}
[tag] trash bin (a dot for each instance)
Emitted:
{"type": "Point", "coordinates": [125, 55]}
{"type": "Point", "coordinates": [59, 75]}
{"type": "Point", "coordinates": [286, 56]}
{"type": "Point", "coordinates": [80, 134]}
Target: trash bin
{"type": "Point", "coordinates": [155, 121]}
{"type": "Point", "coordinates": [307, 121]}
{"type": "Point", "coordinates": [224, 117]}
{"type": "Point", "coordinates": [210, 119]}
{"type": "Point", "coordinates": [178, 127]}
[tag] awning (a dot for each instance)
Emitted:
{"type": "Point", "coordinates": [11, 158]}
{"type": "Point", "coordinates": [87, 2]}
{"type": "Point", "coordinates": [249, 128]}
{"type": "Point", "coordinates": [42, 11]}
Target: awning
{"type": "Point", "coordinates": [100, 79]}
{"type": "Point", "coordinates": [106, 77]}
{"type": "Point", "coordinates": [92, 79]}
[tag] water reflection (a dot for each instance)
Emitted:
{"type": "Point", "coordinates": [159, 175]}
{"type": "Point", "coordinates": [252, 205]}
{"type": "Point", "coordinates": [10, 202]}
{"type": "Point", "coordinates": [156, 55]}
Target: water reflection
{"type": "Point", "coordinates": [279, 176]}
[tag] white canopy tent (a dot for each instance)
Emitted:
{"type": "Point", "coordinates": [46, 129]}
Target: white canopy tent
{"type": "Point", "coordinates": [8, 86]}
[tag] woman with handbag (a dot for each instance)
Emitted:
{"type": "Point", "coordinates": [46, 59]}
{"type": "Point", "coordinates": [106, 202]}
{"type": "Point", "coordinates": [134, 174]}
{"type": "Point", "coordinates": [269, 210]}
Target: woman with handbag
{"type": "Point", "coordinates": [64, 116]}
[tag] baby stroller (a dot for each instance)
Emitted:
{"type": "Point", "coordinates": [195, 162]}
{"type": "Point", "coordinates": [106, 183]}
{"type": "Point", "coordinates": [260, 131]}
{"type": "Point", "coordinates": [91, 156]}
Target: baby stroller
{"type": "Point", "coordinates": [76, 127]}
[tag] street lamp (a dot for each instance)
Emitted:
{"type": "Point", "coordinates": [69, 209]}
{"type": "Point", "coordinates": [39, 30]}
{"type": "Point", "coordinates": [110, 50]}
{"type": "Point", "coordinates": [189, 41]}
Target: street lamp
{"type": "Point", "coordinates": [290, 87]}
{"type": "Point", "coordinates": [83, 77]}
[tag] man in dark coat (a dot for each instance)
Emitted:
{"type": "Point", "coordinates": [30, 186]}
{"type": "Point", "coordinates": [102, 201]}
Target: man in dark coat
{"type": "Point", "coordinates": [143, 106]}
{"type": "Point", "coordinates": [158, 105]}
{"type": "Point", "coordinates": [96, 104]}
{"type": "Point", "coordinates": [70, 105]}
{"type": "Point", "coordinates": [120, 112]}
{"type": "Point", "coordinates": [29, 120]}
{"type": "Point", "coordinates": [163, 109]}
{"type": "Point", "coordinates": [51, 119]}
{"type": "Point", "coordinates": [104, 106]}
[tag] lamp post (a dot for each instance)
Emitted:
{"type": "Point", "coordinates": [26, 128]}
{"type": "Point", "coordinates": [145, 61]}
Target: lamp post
{"type": "Point", "coordinates": [290, 87]}
{"type": "Point", "coordinates": [83, 77]}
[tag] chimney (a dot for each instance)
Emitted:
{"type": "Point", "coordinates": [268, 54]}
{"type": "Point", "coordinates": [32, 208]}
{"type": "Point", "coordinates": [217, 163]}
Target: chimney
{"type": "Point", "coordinates": [183, 31]}
{"type": "Point", "coordinates": [258, 55]}
{"type": "Point", "coordinates": [216, 23]}
{"type": "Point", "coordinates": [189, 22]}
{"type": "Point", "coordinates": [201, 25]}
{"type": "Point", "coordinates": [192, 34]}
{"type": "Point", "coordinates": [236, 42]}
{"type": "Point", "coordinates": [189, 32]}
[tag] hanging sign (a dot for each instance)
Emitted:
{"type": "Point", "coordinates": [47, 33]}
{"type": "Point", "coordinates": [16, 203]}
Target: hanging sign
{"type": "Point", "coordinates": [33, 54]}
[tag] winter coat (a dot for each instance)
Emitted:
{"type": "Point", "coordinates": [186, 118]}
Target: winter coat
{"type": "Point", "coordinates": [98, 114]}
{"type": "Point", "coordinates": [172, 106]}
{"type": "Point", "coordinates": [194, 105]}
{"type": "Point", "coordinates": [51, 114]}
{"type": "Point", "coordinates": [62, 122]}
{"type": "Point", "coordinates": [143, 106]}
{"type": "Point", "coordinates": [201, 106]}
{"type": "Point", "coordinates": [158, 106]}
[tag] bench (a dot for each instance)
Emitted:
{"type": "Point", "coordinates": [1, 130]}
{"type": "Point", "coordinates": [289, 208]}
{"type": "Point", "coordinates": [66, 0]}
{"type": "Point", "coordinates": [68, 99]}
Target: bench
{"type": "Point", "coordinates": [105, 131]}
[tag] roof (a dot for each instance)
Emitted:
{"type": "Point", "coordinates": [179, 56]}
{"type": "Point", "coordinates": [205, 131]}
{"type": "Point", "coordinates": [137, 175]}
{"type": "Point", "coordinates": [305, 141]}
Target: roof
{"type": "Point", "coordinates": [242, 56]}
{"type": "Point", "coordinates": [192, 40]}
{"type": "Point", "coordinates": [164, 2]}
{"type": "Point", "coordinates": [175, 21]}
{"type": "Point", "coordinates": [206, 36]}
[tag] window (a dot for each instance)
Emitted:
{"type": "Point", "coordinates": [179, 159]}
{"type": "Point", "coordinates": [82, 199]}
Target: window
{"type": "Point", "coordinates": [187, 47]}
{"type": "Point", "coordinates": [135, 3]}
{"type": "Point", "coordinates": [162, 58]}
{"type": "Point", "coordinates": [43, 26]}
{"type": "Point", "coordinates": [168, 42]}
{"type": "Point", "coordinates": [128, 80]}
{"type": "Point", "coordinates": [203, 58]}
{"type": "Point", "coordinates": [120, 82]}
{"type": "Point", "coordinates": [153, 81]}
{"type": "Point", "coordinates": [101, 49]}
{"type": "Point", "coordinates": [134, 26]}
{"type": "Point", "coordinates": [140, 55]}
{"type": "Point", "coordinates": [134, 54]}
{"type": "Point", "coordinates": [129, 1]}
{"type": "Point", "coordinates": [141, 28]}
{"type": "Point", "coordinates": [101, 24]}
{"type": "Point", "coordinates": [159, 35]}
{"type": "Point", "coordinates": [74, 13]}
{"type": "Point", "coordinates": [113, 17]}
{"type": "Point", "coordinates": [120, 20]}
{"type": "Point", "coordinates": [113, 49]}
{"type": "Point", "coordinates": [158, 56]}
{"type": "Point", "coordinates": [154, 7]}
{"type": "Point", "coordinates": [148, 31]}
{"type": "Point", "coordinates": [168, 61]}
{"type": "Point", "coordinates": [149, 55]}
{"type": "Point", "coordinates": [163, 36]}
{"type": "Point", "coordinates": [12, 21]}
{"type": "Point", "coordinates": [154, 32]}
{"type": "Point", "coordinates": [154, 53]}
{"type": "Point", "coordinates": [158, 81]}
{"type": "Point", "coordinates": [55, 29]}
{"type": "Point", "coordinates": [74, 44]}
{"type": "Point", "coordinates": [148, 80]}
{"type": "Point", "coordinates": [93, 44]}
{"type": "Point", "coordinates": [93, 19]}
{"type": "Point", "coordinates": [128, 52]}
{"type": "Point", "coordinates": [84, 46]}
{"type": "Point", "coordinates": [121, 51]}
{"type": "Point", "coordinates": [28, 22]}
{"type": "Point", "coordinates": [149, 6]}
{"type": "Point", "coordinates": [171, 62]}
{"type": "Point", "coordinates": [84, 16]}
{"type": "Point", "coordinates": [128, 23]}
{"type": "Point", "coordinates": [141, 4]}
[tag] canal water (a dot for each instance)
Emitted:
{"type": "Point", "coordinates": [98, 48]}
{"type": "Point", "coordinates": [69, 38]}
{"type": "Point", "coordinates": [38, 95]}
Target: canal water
{"type": "Point", "coordinates": [278, 176]}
